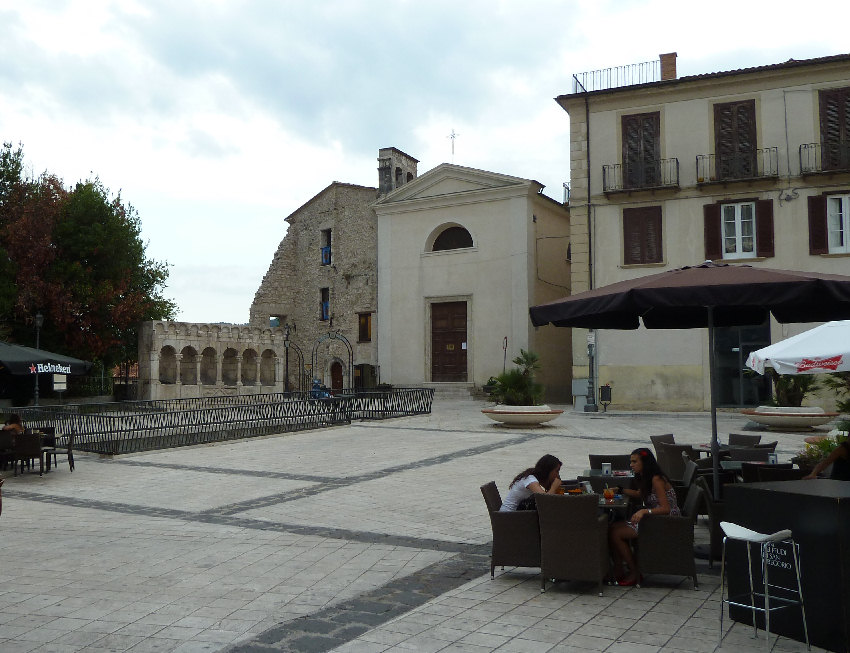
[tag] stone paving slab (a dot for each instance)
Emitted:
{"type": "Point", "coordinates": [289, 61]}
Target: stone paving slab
{"type": "Point", "coordinates": [368, 537]}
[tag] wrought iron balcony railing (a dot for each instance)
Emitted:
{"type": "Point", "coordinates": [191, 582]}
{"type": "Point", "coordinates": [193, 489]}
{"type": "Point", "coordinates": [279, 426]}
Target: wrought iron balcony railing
{"type": "Point", "coordinates": [663, 173]}
{"type": "Point", "coordinates": [824, 157]}
{"type": "Point", "coordinates": [758, 164]}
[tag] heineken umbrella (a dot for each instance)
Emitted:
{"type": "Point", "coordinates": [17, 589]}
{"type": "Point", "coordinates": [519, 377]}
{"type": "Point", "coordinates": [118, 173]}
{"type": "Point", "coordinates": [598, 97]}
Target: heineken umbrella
{"type": "Point", "coordinates": [20, 360]}
{"type": "Point", "coordinates": [704, 296]}
{"type": "Point", "coordinates": [824, 349]}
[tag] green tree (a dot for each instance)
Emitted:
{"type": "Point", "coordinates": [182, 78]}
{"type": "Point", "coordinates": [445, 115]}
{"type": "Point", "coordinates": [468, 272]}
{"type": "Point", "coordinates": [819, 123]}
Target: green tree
{"type": "Point", "coordinates": [77, 257]}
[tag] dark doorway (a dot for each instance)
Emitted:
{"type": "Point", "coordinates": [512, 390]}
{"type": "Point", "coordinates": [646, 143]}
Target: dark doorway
{"type": "Point", "coordinates": [448, 342]}
{"type": "Point", "coordinates": [736, 385]}
{"type": "Point", "coordinates": [336, 375]}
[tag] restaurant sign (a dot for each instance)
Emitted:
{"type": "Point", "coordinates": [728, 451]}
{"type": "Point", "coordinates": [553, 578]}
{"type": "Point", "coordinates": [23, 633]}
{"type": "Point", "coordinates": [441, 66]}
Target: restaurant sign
{"type": "Point", "coordinates": [46, 368]}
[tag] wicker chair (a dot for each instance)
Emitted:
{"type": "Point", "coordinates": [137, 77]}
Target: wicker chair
{"type": "Point", "coordinates": [671, 461]}
{"type": "Point", "coordinates": [618, 460]}
{"type": "Point", "coordinates": [516, 534]}
{"type": "Point", "coordinates": [750, 471]}
{"type": "Point", "coordinates": [770, 446]}
{"type": "Point", "coordinates": [27, 448]}
{"type": "Point", "coordinates": [666, 438]}
{"type": "Point", "coordinates": [768, 473]}
{"type": "Point", "coordinates": [573, 539]}
{"type": "Point", "coordinates": [666, 544]}
{"type": "Point", "coordinates": [750, 454]}
{"type": "Point", "coordinates": [743, 440]}
{"type": "Point", "coordinates": [7, 444]}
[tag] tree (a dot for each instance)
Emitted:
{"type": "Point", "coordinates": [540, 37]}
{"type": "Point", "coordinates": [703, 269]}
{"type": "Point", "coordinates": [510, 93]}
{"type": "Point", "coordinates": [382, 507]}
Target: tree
{"type": "Point", "coordinates": [77, 257]}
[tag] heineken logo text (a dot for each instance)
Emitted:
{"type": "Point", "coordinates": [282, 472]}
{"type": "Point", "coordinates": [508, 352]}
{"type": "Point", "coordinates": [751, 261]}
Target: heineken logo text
{"type": "Point", "coordinates": [47, 368]}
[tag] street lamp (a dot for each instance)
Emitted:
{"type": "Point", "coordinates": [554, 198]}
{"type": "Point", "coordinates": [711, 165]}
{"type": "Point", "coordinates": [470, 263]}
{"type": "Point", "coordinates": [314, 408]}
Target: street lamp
{"type": "Point", "coordinates": [287, 329]}
{"type": "Point", "coordinates": [39, 322]}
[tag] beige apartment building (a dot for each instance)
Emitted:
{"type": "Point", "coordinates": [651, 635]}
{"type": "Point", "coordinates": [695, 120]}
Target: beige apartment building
{"type": "Point", "coordinates": [744, 166]}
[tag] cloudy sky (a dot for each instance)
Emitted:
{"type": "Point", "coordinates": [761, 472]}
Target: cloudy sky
{"type": "Point", "coordinates": [218, 118]}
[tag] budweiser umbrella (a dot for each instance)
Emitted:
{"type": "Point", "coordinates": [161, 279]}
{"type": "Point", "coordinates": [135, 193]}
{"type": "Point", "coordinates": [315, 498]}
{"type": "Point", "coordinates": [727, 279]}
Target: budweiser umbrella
{"type": "Point", "coordinates": [824, 349]}
{"type": "Point", "coordinates": [17, 359]}
{"type": "Point", "coordinates": [703, 296]}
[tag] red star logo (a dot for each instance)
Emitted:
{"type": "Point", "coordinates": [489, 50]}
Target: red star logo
{"type": "Point", "coordinates": [32, 368]}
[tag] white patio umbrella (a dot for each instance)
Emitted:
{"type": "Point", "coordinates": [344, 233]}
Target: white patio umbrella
{"type": "Point", "coordinates": [824, 349]}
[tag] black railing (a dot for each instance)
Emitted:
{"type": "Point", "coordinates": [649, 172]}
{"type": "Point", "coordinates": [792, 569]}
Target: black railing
{"type": "Point", "coordinates": [663, 173]}
{"type": "Point", "coordinates": [760, 163]}
{"type": "Point", "coordinates": [636, 73]}
{"type": "Point", "coordinates": [130, 426]}
{"type": "Point", "coordinates": [824, 157]}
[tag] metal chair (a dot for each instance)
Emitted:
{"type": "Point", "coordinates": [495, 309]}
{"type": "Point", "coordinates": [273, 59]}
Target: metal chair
{"type": "Point", "coordinates": [66, 450]}
{"type": "Point", "coordinates": [784, 599]}
{"type": "Point", "coordinates": [516, 534]}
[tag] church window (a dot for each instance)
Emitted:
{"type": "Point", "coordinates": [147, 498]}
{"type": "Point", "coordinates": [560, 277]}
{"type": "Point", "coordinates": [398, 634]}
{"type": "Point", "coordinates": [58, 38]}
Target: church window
{"type": "Point", "coordinates": [453, 238]}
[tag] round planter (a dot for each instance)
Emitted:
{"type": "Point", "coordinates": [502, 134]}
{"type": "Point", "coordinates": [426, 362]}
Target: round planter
{"type": "Point", "coordinates": [788, 417]}
{"type": "Point", "coordinates": [521, 416]}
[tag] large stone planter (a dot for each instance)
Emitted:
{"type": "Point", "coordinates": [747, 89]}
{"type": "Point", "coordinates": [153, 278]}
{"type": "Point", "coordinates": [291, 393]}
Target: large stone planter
{"type": "Point", "coordinates": [789, 417]}
{"type": "Point", "coordinates": [521, 416]}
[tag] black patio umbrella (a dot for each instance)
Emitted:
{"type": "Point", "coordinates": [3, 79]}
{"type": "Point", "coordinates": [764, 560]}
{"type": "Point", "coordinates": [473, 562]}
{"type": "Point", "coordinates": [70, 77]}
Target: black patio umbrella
{"type": "Point", "coordinates": [20, 360]}
{"type": "Point", "coordinates": [704, 296]}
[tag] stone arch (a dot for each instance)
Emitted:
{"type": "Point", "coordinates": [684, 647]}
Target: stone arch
{"type": "Point", "coordinates": [167, 365]}
{"type": "Point", "coordinates": [208, 366]}
{"type": "Point", "coordinates": [449, 236]}
{"type": "Point", "coordinates": [229, 367]}
{"type": "Point", "coordinates": [189, 366]}
{"type": "Point", "coordinates": [249, 367]}
{"type": "Point", "coordinates": [267, 367]}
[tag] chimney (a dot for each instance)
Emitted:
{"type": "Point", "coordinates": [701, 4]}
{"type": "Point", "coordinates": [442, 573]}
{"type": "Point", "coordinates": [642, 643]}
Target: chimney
{"type": "Point", "coordinates": [668, 66]}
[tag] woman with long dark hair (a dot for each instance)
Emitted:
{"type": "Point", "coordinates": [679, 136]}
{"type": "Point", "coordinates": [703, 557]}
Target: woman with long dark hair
{"type": "Point", "coordinates": [659, 498]}
{"type": "Point", "coordinates": [541, 479]}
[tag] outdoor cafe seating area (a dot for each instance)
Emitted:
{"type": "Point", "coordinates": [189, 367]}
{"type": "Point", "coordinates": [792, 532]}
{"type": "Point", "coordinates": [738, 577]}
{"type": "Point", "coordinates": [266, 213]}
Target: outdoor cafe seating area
{"type": "Point", "coordinates": [566, 536]}
{"type": "Point", "coordinates": [22, 452]}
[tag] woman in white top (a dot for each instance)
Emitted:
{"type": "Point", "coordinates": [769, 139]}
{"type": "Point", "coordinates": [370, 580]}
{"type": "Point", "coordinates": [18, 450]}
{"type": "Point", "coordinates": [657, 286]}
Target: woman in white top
{"type": "Point", "coordinates": [541, 479]}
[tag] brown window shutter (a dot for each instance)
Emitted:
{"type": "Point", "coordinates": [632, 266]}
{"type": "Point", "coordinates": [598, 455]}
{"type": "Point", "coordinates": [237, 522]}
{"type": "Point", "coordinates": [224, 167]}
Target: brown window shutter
{"type": "Point", "coordinates": [713, 242]}
{"type": "Point", "coordinates": [818, 243]}
{"type": "Point", "coordinates": [642, 235]}
{"type": "Point", "coordinates": [764, 228]}
{"type": "Point", "coordinates": [653, 250]}
{"type": "Point", "coordinates": [632, 250]}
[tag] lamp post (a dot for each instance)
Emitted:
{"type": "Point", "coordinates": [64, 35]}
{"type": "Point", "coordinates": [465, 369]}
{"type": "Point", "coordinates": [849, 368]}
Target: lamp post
{"type": "Point", "coordinates": [39, 321]}
{"type": "Point", "coordinates": [287, 329]}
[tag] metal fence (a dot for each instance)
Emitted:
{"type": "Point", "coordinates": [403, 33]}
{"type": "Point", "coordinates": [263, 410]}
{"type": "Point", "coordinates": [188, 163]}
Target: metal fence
{"type": "Point", "coordinates": [628, 75]}
{"type": "Point", "coordinates": [763, 162]}
{"type": "Point", "coordinates": [130, 426]}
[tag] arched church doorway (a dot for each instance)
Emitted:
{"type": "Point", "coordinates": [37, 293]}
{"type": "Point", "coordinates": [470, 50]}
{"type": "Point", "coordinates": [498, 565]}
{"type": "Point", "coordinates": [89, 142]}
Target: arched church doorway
{"type": "Point", "coordinates": [336, 375]}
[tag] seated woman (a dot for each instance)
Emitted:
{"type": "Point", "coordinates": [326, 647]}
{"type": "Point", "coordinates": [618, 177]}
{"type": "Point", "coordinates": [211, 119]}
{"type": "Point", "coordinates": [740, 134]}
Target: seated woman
{"type": "Point", "coordinates": [840, 461]}
{"type": "Point", "coordinates": [14, 424]}
{"type": "Point", "coordinates": [659, 498]}
{"type": "Point", "coordinates": [541, 479]}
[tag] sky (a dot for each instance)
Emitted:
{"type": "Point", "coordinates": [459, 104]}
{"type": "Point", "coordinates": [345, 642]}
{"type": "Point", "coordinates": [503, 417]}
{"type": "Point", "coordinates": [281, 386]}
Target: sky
{"type": "Point", "coordinates": [216, 119]}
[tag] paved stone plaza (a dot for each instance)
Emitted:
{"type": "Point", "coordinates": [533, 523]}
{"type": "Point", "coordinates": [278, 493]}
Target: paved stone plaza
{"type": "Point", "coordinates": [367, 538]}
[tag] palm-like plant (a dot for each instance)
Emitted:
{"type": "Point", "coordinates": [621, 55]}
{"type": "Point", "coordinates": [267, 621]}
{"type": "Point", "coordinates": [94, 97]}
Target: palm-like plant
{"type": "Point", "coordinates": [517, 387]}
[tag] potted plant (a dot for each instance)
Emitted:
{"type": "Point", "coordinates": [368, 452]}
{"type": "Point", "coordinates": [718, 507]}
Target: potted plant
{"type": "Point", "coordinates": [790, 389]}
{"type": "Point", "coordinates": [785, 409]}
{"type": "Point", "coordinates": [519, 396]}
{"type": "Point", "coordinates": [816, 451]}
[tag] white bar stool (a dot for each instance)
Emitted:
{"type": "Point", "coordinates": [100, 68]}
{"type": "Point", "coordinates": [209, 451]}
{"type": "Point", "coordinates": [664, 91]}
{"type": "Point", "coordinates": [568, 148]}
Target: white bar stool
{"type": "Point", "coordinates": [735, 532]}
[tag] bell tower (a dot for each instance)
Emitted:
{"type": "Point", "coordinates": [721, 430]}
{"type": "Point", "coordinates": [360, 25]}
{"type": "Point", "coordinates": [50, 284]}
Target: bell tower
{"type": "Point", "coordinates": [395, 169]}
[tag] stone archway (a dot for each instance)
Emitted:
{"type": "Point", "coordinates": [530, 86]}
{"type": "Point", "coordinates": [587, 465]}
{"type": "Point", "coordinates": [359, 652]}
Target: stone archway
{"type": "Point", "coordinates": [167, 365]}
{"type": "Point", "coordinates": [189, 366]}
{"type": "Point", "coordinates": [209, 375]}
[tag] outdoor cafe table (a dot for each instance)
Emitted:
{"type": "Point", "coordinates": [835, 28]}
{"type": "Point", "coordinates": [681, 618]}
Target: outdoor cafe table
{"type": "Point", "coordinates": [818, 514]}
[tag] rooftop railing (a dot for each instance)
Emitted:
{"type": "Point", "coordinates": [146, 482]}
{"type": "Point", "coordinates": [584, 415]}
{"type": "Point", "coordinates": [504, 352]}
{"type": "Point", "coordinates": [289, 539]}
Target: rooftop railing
{"type": "Point", "coordinates": [628, 75]}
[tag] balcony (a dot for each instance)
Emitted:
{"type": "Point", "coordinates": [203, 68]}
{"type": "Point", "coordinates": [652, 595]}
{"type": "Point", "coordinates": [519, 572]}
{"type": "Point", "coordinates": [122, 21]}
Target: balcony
{"type": "Point", "coordinates": [743, 166]}
{"type": "Point", "coordinates": [819, 158]}
{"type": "Point", "coordinates": [651, 175]}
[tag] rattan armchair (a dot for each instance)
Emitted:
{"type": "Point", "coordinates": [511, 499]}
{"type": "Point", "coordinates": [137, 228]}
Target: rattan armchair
{"type": "Point", "coordinates": [573, 539]}
{"type": "Point", "coordinates": [27, 448]}
{"type": "Point", "coordinates": [743, 440]}
{"type": "Point", "coordinates": [666, 543]}
{"type": "Point", "coordinates": [671, 461]}
{"type": "Point", "coordinates": [516, 534]}
{"type": "Point", "coordinates": [617, 460]}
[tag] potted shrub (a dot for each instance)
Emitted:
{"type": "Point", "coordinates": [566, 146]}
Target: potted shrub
{"type": "Point", "coordinates": [816, 451]}
{"type": "Point", "coordinates": [519, 396]}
